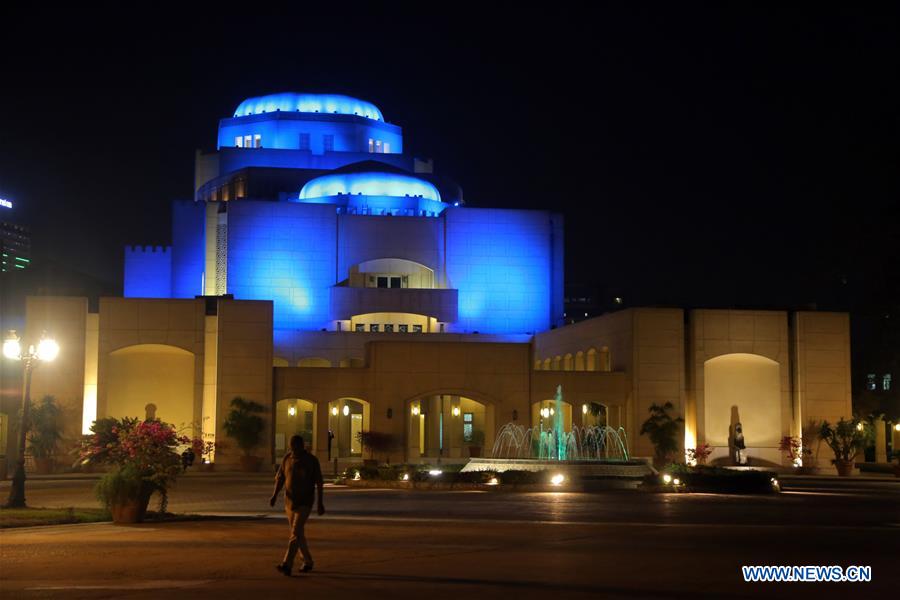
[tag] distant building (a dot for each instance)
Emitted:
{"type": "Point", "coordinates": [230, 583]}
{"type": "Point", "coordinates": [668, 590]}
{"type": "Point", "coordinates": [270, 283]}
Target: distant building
{"type": "Point", "coordinates": [15, 247]}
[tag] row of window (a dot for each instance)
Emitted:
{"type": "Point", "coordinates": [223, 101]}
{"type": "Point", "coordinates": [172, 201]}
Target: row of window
{"type": "Point", "coordinates": [388, 328]}
{"type": "Point", "coordinates": [379, 147]}
{"type": "Point", "coordinates": [872, 383]}
{"type": "Point", "coordinates": [248, 141]}
{"type": "Point", "coordinates": [387, 212]}
{"type": "Point", "coordinates": [327, 142]}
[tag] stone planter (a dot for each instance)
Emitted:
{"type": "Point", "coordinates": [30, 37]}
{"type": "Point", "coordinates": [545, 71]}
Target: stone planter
{"type": "Point", "coordinates": [132, 510]}
{"type": "Point", "coordinates": [250, 464]}
{"type": "Point", "coordinates": [844, 467]}
{"type": "Point", "coordinates": [43, 466]}
{"type": "Point", "coordinates": [474, 451]}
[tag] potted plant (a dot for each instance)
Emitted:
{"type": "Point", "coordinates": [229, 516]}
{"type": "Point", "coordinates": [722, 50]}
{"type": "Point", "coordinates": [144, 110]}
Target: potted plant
{"type": "Point", "coordinates": [663, 430]}
{"type": "Point", "coordinates": [376, 442]}
{"type": "Point", "coordinates": [44, 433]}
{"type": "Point", "coordinates": [846, 439]}
{"type": "Point", "coordinates": [698, 455]}
{"type": "Point", "coordinates": [476, 442]}
{"type": "Point", "coordinates": [245, 427]}
{"type": "Point", "coordinates": [792, 447]}
{"type": "Point", "coordinates": [144, 459]}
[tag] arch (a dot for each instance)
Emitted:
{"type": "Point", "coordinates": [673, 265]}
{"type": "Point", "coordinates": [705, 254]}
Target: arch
{"type": "Point", "coordinates": [594, 413]}
{"type": "Point", "coordinates": [347, 417]}
{"type": "Point", "coordinates": [448, 425]}
{"type": "Point", "coordinates": [543, 414]}
{"type": "Point", "coordinates": [313, 361]}
{"type": "Point", "coordinates": [743, 388]}
{"type": "Point", "coordinates": [294, 416]}
{"type": "Point", "coordinates": [537, 364]}
{"type": "Point", "coordinates": [579, 361]}
{"type": "Point", "coordinates": [605, 360]}
{"type": "Point", "coordinates": [591, 362]}
{"type": "Point", "coordinates": [568, 362]}
{"type": "Point", "coordinates": [277, 361]}
{"type": "Point", "coordinates": [413, 274]}
{"type": "Point", "coordinates": [557, 363]}
{"type": "Point", "coordinates": [152, 374]}
{"type": "Point", "coordinates": [546, 365]}
{"type": "Point", "coordinates": [353, 363]}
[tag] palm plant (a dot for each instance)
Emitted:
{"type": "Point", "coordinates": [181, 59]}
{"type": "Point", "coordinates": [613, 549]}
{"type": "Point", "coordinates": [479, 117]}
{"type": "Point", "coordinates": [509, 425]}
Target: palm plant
{"type": "Point", "coordinates": [244, 425]}
{"type": "Point", "coordinates": [45, 431]}
{"type": "Point", "coordinates": [663, 430]}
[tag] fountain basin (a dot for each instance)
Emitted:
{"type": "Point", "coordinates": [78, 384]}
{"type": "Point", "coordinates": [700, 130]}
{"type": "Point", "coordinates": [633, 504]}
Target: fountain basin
{"type": "Point", "coordinates": [573, 469]}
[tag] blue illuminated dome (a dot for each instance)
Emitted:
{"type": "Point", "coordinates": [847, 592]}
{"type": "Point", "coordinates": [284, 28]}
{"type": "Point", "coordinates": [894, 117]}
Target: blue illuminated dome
{"type": "Point", "coordinates": [392, 185]}
{"type": "Point", "coordinates": [308, 103]}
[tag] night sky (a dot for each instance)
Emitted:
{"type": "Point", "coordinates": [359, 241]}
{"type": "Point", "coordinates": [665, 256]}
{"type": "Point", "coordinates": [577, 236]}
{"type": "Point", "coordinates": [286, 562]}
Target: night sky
{"type": "Point", "coordinates": [736, 156]}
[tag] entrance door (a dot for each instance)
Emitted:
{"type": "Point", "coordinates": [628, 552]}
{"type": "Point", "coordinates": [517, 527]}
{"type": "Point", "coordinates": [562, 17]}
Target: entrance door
{"type": "Point", "coordinates": [356, 420]}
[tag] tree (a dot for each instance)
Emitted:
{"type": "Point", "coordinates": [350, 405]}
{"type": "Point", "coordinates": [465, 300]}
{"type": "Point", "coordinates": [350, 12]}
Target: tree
{"type": "Point", "coordinates": [663, 431]}
{"type": "Point", "coordinates": [44, 431]}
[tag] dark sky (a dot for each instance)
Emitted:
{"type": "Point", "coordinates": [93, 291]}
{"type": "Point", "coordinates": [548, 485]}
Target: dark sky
{"type": "Point", "coordinates": [739, 155]}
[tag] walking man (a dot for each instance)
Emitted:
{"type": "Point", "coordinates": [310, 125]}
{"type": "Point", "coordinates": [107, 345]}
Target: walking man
{"type": "Point", "coordinates": [300, 475]}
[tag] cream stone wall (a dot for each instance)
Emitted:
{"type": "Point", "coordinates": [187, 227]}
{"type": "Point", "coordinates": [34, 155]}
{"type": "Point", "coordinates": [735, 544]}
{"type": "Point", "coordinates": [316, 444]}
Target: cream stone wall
{"type": "Point", "coordinates": [716, 333]}
{"type": "Point", "coordinates": [65, 320]}
{"type": "Point", "coordinates": [821, 358]}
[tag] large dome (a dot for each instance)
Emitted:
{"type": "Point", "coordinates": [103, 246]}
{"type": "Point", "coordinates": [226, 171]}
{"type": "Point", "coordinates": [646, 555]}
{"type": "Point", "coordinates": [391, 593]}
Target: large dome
{"type": "Point", "coordinates": [308, 103]}
{"type": "Point", "coordinates": [369, 184]}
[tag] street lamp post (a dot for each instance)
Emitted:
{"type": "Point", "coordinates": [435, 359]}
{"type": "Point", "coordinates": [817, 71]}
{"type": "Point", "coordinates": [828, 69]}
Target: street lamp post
{"type": "Point", "coordinates": [47, 350]}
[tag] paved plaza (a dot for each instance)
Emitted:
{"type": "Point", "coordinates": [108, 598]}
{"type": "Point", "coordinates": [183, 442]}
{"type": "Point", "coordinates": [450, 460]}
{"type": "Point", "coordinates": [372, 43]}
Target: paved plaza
{"type": "Point", "coordinates": [456, 544]}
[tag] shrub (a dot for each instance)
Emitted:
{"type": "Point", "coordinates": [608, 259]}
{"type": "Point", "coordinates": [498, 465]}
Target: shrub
{"type": "Point", "coordinates": [44, 428]}
{"type": "Point", "coordinates": [845, 438]}
{"type": "Point", "coordinates": [663, 430]}
{"type": "Point", "coordinates": [377, 442]}
{"type": "Point", "coordinates": [244, 425]}
{"type": "Point", "coordinates": [120, 485]}
{"type": "Point", "coordinates": [722, 480]}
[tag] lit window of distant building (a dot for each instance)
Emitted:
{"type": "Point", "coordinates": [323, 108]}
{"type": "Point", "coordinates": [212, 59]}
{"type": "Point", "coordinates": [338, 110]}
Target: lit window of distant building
{"type": "Point", "coordinates": [389, 328]}
{"type": "Point", "coordinates": [417, 329]}
{"type": "Point", "coordinates": [371, 145]}
{"type": "Point", "coordinates": [328, 143]}
{"type": "Point", "coordinates": [248, 141]}
{"type": "Point", "coordinates": [886, 382]}
{"type": "Point", "coordinates": [257, 141]}
{"type": "Point", "coordinates": [870, 382]}
{"type": "Point", "coordinates": [404, 328]}
{"type": "Point", "coordinates": [387, 148]}
{"type": "Point", "coordinates": [239, 141]}
{"type": "Point", "coordinates": [378, 147]}
{"type": "Point", "coordinates": [360, 327]}
{"type": "Point", "coordinates": [304, 141]}
{"type": "Point", "coordinates": [373, 327]}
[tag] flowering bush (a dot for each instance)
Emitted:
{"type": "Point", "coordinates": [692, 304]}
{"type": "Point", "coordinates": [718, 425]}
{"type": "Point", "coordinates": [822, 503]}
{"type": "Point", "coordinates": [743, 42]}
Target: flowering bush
{"type": "Point", "coordinates": [792, 448]}
{"type": "Point", "coordinates": [145, 450]}
{"type": "Point", "coordinates": [698, 455]}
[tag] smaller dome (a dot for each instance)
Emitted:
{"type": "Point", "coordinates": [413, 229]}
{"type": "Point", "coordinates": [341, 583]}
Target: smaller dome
{"type": "Point", "coordinates": [308, 103]}
{"type": "Point", "coordinates": [369, 184]}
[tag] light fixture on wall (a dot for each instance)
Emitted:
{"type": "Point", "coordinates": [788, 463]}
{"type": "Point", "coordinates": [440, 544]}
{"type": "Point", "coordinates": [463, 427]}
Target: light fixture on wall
{"type": "Point", "coordinates": [334, 410]}
{"type": "Point", "coordinates": [415, 410]}
{"type": "Point", "coordinates": [346, 410]}
{"type": "Point", "coordinates": [584, 409]}
{"type": "Point", "coordinates": [552, 412]}
{"type": "Point", "coordinates": [455, 411]}
{"type": "Point", "coordinates": [545, 412]}
{"type": "Point", "coordinates": [292, 410]}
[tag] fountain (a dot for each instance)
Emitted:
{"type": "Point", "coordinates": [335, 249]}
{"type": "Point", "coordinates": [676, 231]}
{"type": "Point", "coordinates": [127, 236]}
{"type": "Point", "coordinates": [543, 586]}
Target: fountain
{"type": "Point", "coordinates": [592, 452]}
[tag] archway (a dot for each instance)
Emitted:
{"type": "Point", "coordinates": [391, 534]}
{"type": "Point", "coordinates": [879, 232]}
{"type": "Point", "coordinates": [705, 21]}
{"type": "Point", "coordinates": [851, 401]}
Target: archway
{"type": "Point", "coordinates": [294, 416]}
{"type": "Point", "coordinates": [313, 361]}
{"type": "Point", "coordinates": [568, 362]}
{"type": "Point", "coordinates": [544, 415]}
{"type": "Point", "coordinates": [152, 374]}
{"type": "Point", "coordinates": [743, 388]}
{"type": "Point", "coordinates": [280, 362]}
{"type": "Point", "coordinates": [448, 426]}
{"type": "Point", "coordinates": [591, 363]}
{"type": "Point", "coordinates": [347, 417]}
{"type": "Point", "coordinates": [594, 413]}
{"type": "Point", "coordinates": [579, 361]}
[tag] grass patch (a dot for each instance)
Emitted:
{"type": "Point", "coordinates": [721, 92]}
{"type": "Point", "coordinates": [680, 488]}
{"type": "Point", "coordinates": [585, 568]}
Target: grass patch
{"type": "Point", "coordinates": [31, 517]}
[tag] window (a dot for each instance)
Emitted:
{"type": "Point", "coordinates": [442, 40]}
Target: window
{"type": "Point", "coordinates": [468, 422]}
{"type": "Point", "coordinates": [378, 148]}
{"type": "Point", "coordinates": [886, 382]}
{"type": "Point", "coordinates": [257, 141]}
{"type": "Point", "coordinates": [371, 145]}
{"type": "Point", "coordinates": [373, 327]}
{"type": "Point", "coordinates": [304, 141]}
{"type": "Point", "coordinates": [870, 382]}
{"type": "Point", "coordinates": [404, 328]}
{"type": "Point", "coordinates": [387, 148]}
{"type": "Point", "coordinates": [238, 142]}
{"type": "Point", "coordinates": [389, 328]}
{"type": "Point", "coordinates": [395, 282]}
{"type": "Point", "coordinates": [417, 329]}
{"type": "Point", "coordinates": [360, 327]}
{"type": "Point", "coordinates": [382, 282]}
{"type": "Point", "coordinates": [328, 143]}
{"type": "Point", "coordinates": [248, 141]}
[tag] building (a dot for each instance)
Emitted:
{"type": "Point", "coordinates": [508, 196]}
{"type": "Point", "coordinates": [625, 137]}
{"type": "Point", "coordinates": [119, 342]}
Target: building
{"type": "Point", "coordinates": [347, 287]}
{"type": "Point", "coordinates": [15, 247]}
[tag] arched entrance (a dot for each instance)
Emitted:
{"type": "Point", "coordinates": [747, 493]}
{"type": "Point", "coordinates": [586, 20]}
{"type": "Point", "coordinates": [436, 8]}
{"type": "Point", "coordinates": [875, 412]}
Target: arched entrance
{"type": "Point", "coordinates": [594, 414]}
{"type": "Point", "coordinates": [544, 415]}
{"type": "Point", "coordinates": [347, 417]}
{"type": "Point", "coordinates": [743, 388]}
{"type": "Point", "coordinates": [294, 416]}
{"type": "Point", "coordinates": [448, 426]}
{"type": "Point", "coordinates": [152, 375]}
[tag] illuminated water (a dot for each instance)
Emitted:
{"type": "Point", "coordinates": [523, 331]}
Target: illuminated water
{"type": "Point", "coordinates": [595, 442]}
